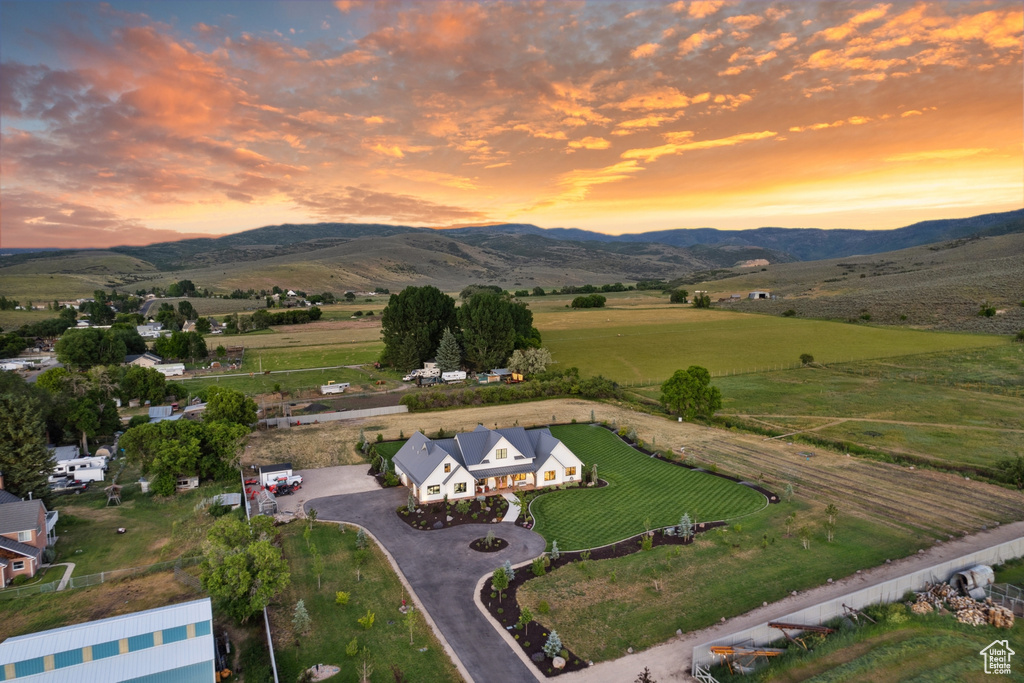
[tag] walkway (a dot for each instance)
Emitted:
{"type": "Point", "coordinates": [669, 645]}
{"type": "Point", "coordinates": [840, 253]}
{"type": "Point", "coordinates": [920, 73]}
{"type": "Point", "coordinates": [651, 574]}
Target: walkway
{"type": "Point", "coordinates": [443, 572]}
{"type": "Point", "coordinates": [512, 514]}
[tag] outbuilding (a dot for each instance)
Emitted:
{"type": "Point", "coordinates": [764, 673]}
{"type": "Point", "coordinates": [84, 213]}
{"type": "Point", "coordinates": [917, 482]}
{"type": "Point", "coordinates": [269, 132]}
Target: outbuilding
{"type": "Point", "coordinates": [271, 473]}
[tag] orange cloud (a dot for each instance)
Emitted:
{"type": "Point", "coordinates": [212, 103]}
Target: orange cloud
{"type": "Point", "coordinates": [590, 143]}
{"type": "Point", "coordinates": [575, 185]}
{"type": "Point", "coordinates": [645, 50]}
{"type": "Point", "coordinates": [658, 98]}
{"type": "Point", "coordinates": [938, 154]}
{"type": "Point", "coordinates": [696, 40]}
{"type": "Point", "coordinates": [701, 9]}
{"type": "Point", "coordinates": [681, 142]}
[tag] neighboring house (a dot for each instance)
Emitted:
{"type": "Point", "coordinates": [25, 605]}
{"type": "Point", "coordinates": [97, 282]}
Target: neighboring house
{"type": "Point", "coordinates": [484, 460]}
{"type": "Point", "coordinates": [187, 482]}
{"type": "Point", "coordinates": [26, 528]}
{"type": "Point", "coordinates": [189, 326]}
{"type": "Point", "coordinates": [271, 473]}
{"type": "Point", "coordinates": [170, 369]}
{"type": "Point", "coordinates": [149, 330]}
{"type": "Point", "coordinates": [143, 360]}
{"type": "Point", "coordinates": [173, 643]}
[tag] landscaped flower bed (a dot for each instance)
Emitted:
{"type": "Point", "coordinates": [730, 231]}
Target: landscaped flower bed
{"type": "Point", "coordinates": [441, 515]}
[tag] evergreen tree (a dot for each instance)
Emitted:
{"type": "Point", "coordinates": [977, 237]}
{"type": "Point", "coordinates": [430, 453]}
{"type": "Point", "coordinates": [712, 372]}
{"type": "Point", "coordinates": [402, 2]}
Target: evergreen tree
{"type": "Point", "coordinates": [488, 331]}
{"type": "Point", "coordinates": [300, 619]}
{"type": "Point", "coordinates": [554, 645]}
{"type": "Point", "coordinates": [24, 460]}
{"type": "Point", "coordinates": [416, 317]}
{"type": "Point", "coordinates": [449, 354]}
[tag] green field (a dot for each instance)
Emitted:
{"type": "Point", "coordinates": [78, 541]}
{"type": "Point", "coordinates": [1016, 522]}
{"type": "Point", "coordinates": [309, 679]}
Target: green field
{"type": "Point", "coordinates": [329, 355]}
{"type": "Point", "coordinates": [646, 345]}
{"type": "Point", "coordinates": [264, 384]}
{"type": "Point", "coordinates": [376, 588]}
{"type": "Point", "coordinates": [639, 488]}
{"type": "Point", "coordinates": [602, 608]}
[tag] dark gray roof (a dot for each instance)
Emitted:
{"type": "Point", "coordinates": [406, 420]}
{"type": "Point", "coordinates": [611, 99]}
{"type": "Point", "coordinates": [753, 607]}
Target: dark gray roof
{"type": "Point", "coordinates": [20, 516]}
{"type": "Point", "coordinates": [129, 359]}
{"type": "Point", "coordinates": [281, 467]}
{"type": "Point", "coordinates": [8, 497]}
{"type": "Point", "coordinates": [20, 548]}
{"type": "Point", "coordinates": [61, 453]}
{"type": "Point", "coordinates": [420, 456]}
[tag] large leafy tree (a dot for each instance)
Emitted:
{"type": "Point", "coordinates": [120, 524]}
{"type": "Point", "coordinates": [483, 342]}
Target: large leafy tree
{"type": "Point", "coordinates": [529, 361]}
{"type": "Point", "coordinates": [690, 394]}
{"type": "Point", "coordinates": [83, 348]}
{"type": "Point", "coordinates": [417, 313]}
{"type": "Point", "coordinates": [182, 345]}
{"type": "Point", "coordinates": [126, 332]}
{"type": "Point", "coordinates": [145, 384]}
{"type": "Point", "coordinates": [242, 570]}
{"type": "Point", "coordinates": [24, 459]}
{"type": "Point", "coordinates": [449, 354]}
{"type": "Point", "coordinates": [229, 405]}
{"type": "Point", "coordinates": [167, 449]}
{"type": "Point", "coordinates": [488, 329]}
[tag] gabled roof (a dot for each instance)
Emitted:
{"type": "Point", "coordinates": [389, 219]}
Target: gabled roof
{"type": "Point", "coordinates": [420, 456]}
{"type": "Point", "coordinates": [148, 355]}
{"type": "Point", "coordinates": [21, 548]}
{"type": "Point", "coordinates": [20, 516]}
{"type": "Point", "coordinates": [8, 497]}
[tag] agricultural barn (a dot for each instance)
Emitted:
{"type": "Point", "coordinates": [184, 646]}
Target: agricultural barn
{"type": "Point", "coordinates": [759, 295]}
{"type": "Point", "coordinates": [155, 646]}
{"type": "Point", "coordinates": [483, 461]}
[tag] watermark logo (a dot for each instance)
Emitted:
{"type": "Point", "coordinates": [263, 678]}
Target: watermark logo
{"type": "Point", "coordinates": [997, 657]}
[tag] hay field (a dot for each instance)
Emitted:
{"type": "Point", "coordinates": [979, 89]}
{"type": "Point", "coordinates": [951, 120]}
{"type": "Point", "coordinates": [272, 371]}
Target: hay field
{"type": "Point", "coordinates": [646, 345]}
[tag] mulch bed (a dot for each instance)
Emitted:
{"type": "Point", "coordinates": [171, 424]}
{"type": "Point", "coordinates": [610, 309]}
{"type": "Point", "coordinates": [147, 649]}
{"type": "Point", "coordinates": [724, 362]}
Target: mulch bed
{"type": "Point", "coordinates": [480, 545]}
{"type": "Point", "coordinates": [433, 515]}
{"type": "Point", "coordinates": [510, 605]}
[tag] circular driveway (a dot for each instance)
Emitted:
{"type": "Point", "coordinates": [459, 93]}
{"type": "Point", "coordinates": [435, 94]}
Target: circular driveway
{"type": "Point", "coordinates": [444, 572]}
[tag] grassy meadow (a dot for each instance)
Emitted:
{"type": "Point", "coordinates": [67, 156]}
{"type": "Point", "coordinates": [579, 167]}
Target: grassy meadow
{"type": "Point", "coordinates": [372, 586]}
{"type": "Point", "coordinates": [602, 608]}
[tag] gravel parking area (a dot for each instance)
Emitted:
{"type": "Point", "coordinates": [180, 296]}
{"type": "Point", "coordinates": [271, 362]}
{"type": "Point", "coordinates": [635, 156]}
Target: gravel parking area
{"type": "Point", "coordinates": [324, 482]}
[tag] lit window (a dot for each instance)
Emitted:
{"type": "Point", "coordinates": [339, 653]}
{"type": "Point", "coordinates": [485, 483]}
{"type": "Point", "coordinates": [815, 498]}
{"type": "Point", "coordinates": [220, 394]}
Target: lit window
{"type": "Point", "coordinates": [518, 477]}
{"type": "Point", "coordinates": [570, 471]}
{"type": "Point", "coordinates": [447, 467]}
{"type": "Point", "coordinates": [500, 453]}
{"type": "Point", "coordinates": [25, 536]}
{"type": "Point", "coordinates": [460, 488]}
{"type": "Point", "coordinates": [18, 565]}
{"type": "Point", "coordinates": [434, 490]}
{"type": "Point", "coordinates": [549, 475]}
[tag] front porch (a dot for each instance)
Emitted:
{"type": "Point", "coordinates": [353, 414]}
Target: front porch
{"type": "Point", "coordinates": [509, 483]}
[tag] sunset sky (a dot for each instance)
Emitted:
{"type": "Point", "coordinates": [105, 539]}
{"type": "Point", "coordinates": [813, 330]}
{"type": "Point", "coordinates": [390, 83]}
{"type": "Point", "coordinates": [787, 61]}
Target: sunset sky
{"type": "Point", "coordinates": [138, 122]}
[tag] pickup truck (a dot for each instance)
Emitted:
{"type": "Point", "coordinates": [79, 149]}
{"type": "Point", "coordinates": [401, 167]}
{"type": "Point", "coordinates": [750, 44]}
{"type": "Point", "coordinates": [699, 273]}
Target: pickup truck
{"type": "Point", "coordinates": [65, 486]}
{"type": "Point", "coordinates": [294, 481]}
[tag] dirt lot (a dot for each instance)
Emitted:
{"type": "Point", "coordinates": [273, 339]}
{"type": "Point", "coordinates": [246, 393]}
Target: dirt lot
{"type": "Point", "coordinates": [933, 502]}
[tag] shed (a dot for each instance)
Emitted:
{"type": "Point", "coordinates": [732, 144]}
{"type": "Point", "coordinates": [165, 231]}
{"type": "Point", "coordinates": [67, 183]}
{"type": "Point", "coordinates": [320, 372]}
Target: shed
{"type": "Point", "coordinates": [757, 294]}
{"type": "Point", "coordinates": [172, 643]}
{"type": "Point", "coordinates": [231, 500]}
{"type": "Point", "coordinates": [186, 482]}
{"type": "Point", "coordinates": [271, 473]}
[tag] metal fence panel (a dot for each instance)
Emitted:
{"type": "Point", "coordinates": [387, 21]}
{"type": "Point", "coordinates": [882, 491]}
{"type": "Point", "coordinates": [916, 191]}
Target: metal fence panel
{"type": "Point", "coordinates": [885, 592]}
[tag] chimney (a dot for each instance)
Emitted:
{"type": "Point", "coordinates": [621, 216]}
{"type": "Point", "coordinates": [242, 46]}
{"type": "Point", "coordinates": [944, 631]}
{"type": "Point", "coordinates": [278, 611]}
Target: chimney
{"type": "Point", "coordinates": [1, 481]}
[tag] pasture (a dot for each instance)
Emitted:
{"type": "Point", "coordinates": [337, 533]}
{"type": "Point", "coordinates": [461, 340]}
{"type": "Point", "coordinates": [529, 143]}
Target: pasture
{"type": "Point", "coordinates": [642, 493]}
{"type": "Point", "coordinates": [645, 345]}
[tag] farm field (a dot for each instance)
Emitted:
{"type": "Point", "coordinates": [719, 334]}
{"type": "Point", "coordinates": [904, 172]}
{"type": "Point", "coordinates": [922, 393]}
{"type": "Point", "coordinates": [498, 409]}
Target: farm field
{"type": "Point", "coordinates": [645, 346]}
{"type": "Point", "coordinates": [374, 589]}
{"type": "Point", "coordinates": [327, 355]}
{"type": "Point", "coordinates": [640, 489]}
{"type": "Point", "coordinates": [602, 608]}
{"type": "Point", "coordinates": [297, 382]}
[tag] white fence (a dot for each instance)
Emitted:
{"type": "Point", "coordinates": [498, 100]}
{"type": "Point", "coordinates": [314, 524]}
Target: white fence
{"type": "Point", "coordinates": [886, 592]}
{"type": "Point", "coordinates": [333, 417]}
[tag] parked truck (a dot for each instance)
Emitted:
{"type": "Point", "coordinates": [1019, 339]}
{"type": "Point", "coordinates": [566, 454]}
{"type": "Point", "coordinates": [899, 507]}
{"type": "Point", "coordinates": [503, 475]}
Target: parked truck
{"type": "Point", "coordinates": [453, 377]}
{"type": "Point", "coordinates": [427, 381]}
{"type": "Point", "coordinates": [333, 387]}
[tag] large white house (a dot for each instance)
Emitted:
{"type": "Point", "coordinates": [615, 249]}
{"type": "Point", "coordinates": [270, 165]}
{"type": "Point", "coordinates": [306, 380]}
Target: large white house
{"type": "Point", "coordinates": [484, 460]}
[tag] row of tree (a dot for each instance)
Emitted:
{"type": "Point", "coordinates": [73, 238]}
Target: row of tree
{"type": "Point", "coordinates": [482, 332]}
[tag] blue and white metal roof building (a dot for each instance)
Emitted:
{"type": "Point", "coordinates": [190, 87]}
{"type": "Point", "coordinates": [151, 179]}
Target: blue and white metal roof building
{"type": "Point", "coordinates": [164, 645]}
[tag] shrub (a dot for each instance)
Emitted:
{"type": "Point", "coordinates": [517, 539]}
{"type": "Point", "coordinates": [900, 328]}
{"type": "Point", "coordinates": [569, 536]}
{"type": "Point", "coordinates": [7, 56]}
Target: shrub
{"type": "Point", "coordinates": [554, 644]}
{"type": "Point", "coordinates": [352, 649]}
{"type": "Point", "coordinates": [538, 566]}
{"type": "Point", "coordinates": [543, 607]}
{"type": "Point", "coordinates": [789, 313]}
{"type": "Point", "coordinates": [367, 621]}
{"type": "Point", "coordinates": [646, 542]}
{"type": "Point", "coordinates": [341, 598]}
{"type": "Point", "coordinates": [806, 358]}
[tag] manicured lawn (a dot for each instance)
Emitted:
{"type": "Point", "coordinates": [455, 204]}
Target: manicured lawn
{"type": "Point", "coordinates": [640, 489]}
{"type": "Point", "coordinates": [602, 608]}
{"type": "Point", "coordinates": [377, 589]}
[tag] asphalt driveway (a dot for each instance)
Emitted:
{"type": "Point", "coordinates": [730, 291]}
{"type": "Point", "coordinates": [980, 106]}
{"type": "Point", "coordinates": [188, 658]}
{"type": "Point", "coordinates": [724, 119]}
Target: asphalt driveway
{"type": "Point", "coordinates": [443, 572]}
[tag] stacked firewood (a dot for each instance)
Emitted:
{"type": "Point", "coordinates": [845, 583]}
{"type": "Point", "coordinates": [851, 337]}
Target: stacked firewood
{"type": "Point", "coordinates": [968, 610]}
{"type": "Point", "coordinates": [1000, 617]}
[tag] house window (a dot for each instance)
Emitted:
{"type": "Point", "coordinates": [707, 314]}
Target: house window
{"type": "Point", "coordinates": [549, 475]}
{"type": "Point", "coordinates": [460, 488]}
{"type": "Point", "coordinates": [519, 477]}
{"type": "Point", "coordinates": [500, 453]}
{"type": "Point", "coordinates": [25, 536]}
{"type": "Point", "coordinates": [570, 471]}
{"type": "Point", "coordinates": [447, 467]}
{"type": "Point", "coordinates": [434, 490]}
{"type": "Point", "coordinates": [18, 565]}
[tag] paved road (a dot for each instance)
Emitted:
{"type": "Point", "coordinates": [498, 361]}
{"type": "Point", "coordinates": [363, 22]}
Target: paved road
{"type": "Point", "coordinates": [443, 572]}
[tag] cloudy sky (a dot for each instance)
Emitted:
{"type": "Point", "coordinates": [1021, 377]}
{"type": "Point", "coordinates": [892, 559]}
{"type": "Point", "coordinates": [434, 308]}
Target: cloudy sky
{"type": "Point", "coordinates": [136, 122]}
